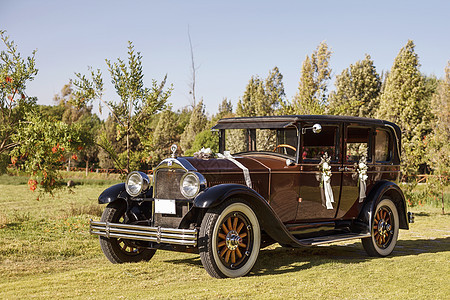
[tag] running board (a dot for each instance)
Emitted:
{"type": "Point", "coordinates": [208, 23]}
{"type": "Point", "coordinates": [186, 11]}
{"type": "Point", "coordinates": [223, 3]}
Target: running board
{"type": "Point", "coordinates": [333, 238]}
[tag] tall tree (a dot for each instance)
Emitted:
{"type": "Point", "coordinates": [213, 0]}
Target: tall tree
{"type": "Point", "coordinates": [246, 105]}
{"type": "Point", "coordinates": [438, 143]}
{"type": "Point", "coordinates": [164, 136]}
{"type": "Point", "coordinates": [357, 90]}
{"type": "Point", "coordinates": [15, 73]}
{"type": "Point", "coordinates": [225, 109]}
{"type": "Point", "coordinates": [312, 95]}
{"type": "Point", "coordinates": [137, 102]}
{"type": "Point", "coordinates": [197, 124]}
{"type": "Point", "coordinates": [404, 103]}
{"type": "Point", "coordinates": [262, 97]}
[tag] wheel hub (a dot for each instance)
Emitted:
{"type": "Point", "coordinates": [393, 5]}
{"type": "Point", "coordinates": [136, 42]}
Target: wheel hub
{"type": "Point", "coordinates": [233, 240]}
{"type": "Point", "coordinates": [384, 227]}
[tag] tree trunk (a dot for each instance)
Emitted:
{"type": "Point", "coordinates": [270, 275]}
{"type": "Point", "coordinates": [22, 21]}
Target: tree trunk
{"type": "Point", "coordinates": [128, 151]}
{"type": "Point", "coordinates": [87, 167]}
{"type": "Point", "coordinates": [68, 166]}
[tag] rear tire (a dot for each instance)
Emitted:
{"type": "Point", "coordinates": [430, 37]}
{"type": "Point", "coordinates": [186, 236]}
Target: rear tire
{"type": "Point", "coordinates": [120, 250]}
{"type": "Point", "coordinates": [384, 229]}
{"type": "Point", "coordinates": [229, 239]}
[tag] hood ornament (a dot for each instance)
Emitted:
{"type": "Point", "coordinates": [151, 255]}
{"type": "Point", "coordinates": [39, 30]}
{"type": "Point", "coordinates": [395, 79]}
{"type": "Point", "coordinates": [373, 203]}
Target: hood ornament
{"type": "Point", "coordinates": [174, 148]}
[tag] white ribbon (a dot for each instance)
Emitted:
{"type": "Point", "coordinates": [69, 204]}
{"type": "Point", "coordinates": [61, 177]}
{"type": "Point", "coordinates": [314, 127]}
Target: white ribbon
{"type": "Point", "coordinates": [362, 177]}
{"type": "Point", "coordinates": [328, 191]}
{"type": "Point", "coordinates": [227, 155]}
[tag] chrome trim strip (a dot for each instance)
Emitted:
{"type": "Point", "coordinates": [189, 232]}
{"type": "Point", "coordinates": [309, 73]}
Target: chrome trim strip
{"type": "Point", "coordinates": [186, 237]}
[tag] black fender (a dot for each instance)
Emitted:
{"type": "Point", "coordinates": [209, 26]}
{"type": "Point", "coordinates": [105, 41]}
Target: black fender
{"type": "Point", "coordinates": [381, 189]}
{"type": "Point", "coordinates": [118, 191]}
{"type": "Point", "coordinates": [268, 219]}
{"type": "Point", "coordinates": [113, 193]}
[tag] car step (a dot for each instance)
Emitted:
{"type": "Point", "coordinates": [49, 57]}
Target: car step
{"type": "Point", "coordinates": [333, 238]}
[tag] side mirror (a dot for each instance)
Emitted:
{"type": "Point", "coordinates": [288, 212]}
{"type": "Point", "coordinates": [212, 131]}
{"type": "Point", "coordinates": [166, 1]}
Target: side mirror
{"type": "Point", "coordinates": [316, 128]}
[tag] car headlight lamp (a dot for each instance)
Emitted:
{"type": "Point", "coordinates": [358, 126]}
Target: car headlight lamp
{"type": "Point", "coordinates": [191, 184]}
{"type": "Point", "coordinates": [137, 183]}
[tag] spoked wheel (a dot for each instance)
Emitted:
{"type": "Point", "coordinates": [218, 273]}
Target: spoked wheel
{"type": "Point", "coordinates": [384, 232]}
{"type": "Point", "coordinates": [230, 238]}
{"type": "Point", "coordinates": [121, 250]}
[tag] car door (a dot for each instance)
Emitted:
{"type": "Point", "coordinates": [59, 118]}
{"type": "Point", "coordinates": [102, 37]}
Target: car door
{"type": "Point", "coordinates": [357, 169]}
{"type": "Point", "coordinates": [319, 175]}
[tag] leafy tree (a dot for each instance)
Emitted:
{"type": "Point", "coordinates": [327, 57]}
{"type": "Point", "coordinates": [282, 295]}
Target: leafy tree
{"type": "Point", "coordinates": [404, 103]}
{"type": "Point", "coordinates": [311, 97]}
{"type": "Point", "coordinates": [41, 147]}
{"type": "Point", "coordinates": [164, 136]}
{"type": "Point", "coordinates": [15, 73]}
{"type": "Point", "coordinates": [137, 103]}
{"type": "Point", "coordinates": [225, 109]}
{"type": "Point", "coordinates": [262, 97]}
{"type": "Point", "coordinates": [438, 143]}
{"type": "Point", "coordinates": [246, 105]}
{"type": "Point", "coordinates": [197, 124]}
{"type": "Point", "coordinates": [205, 139]}
{"type": "Point", "coordinates": [357, 90]}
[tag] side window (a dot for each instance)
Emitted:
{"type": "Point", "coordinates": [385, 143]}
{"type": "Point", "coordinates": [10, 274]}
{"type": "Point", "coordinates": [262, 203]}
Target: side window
{"type": "Point", "coordinates": [382, 146]}
{"type": "Point", "coordinates": [358, 145]}
{"type": "Point", "coordinates": [315, 145]}
{"type": "Point", "coordinates": [266, 139]}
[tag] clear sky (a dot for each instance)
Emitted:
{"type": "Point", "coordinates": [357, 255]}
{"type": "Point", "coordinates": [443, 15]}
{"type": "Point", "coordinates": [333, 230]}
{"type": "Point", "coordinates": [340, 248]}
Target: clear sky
{"type": "Point", "coordinates": [232, 40]}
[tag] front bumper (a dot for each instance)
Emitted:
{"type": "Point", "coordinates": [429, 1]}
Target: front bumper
{"type": "Point", "coordinates": [174, 236]}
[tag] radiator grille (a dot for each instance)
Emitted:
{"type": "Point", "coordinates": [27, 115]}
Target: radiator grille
{"type": "Point", "coordinates": [167, 183]}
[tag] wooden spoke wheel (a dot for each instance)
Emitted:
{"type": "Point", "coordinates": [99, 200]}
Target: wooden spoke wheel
{"type": "Point", "coordinates": [233, 240]}
{"type": "Point", "coordinates": [230, 239]}
{"type": "Point", "coordinates": [121, 250]}
{"type": "Point", "coordinates": [384, 230]}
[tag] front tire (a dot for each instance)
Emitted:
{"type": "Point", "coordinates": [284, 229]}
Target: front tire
{"type": "Point", "coordinates": [120, 250]}
{"type": "Point", "coordinates": [230, 238]}
{"type": "Point", "coordinates": [384, 230]}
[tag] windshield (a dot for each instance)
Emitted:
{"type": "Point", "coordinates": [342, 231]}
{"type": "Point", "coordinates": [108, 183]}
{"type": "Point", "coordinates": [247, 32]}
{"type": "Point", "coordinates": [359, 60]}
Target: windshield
{"type": "Point", "coordinates": [282, 141]}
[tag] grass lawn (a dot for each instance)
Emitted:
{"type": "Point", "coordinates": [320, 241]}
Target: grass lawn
{"type": "Point", "coordinates": [47, 252]}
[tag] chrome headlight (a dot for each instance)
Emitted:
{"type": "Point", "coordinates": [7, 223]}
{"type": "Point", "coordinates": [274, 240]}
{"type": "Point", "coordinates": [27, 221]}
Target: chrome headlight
{"type": "Point", "coordinates": [191, 183]}
{"type": "Point", "coordinates": [137, 183]}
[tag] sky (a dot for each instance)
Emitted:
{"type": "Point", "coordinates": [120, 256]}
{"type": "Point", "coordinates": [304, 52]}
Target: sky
{"type": "Point", "coordinates": [232, 40]}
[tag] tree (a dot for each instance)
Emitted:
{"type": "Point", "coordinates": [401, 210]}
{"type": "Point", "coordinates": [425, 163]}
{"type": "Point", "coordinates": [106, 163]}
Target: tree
{"type": "Point", "coordinates": [164, 136]}
{"type": "Point", "coordinates": [197, 124]}
{"type": "Point", "coordinates": [225, 109]}
{"type": "Point", "coordinates": [438, 143]}
{"type": "Point", "coordinates": [262, 97]}
{"type": "Point", "coordinates": [41, 147]}
{"type": "Point", "coordinates": [15, 73]}
{"type": "Point", "coordinates": [357, 90]}
{"type": "Point", "coordinates": [246, 105]}
{"type": "Point", "coordinates": [404, 102]}
{"type": "Point", "coordinates": [311, 97]}
{"type": "Point", "coordinates": [137, 103]}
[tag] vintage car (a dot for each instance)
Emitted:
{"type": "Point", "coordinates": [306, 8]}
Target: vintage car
{"type": "Point", "coordinates": [292, 180]}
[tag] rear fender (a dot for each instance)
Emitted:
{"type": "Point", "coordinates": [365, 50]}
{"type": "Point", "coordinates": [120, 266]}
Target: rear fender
{"type": "Point", "coordinates": [380, 190]}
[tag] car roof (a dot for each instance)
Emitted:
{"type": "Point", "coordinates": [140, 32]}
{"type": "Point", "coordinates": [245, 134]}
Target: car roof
{"type": "Point", "coordinates": [267, 122]}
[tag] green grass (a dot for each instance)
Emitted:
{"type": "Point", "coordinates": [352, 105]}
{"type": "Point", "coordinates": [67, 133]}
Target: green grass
{"type": "Point", "coordinates": [47, 252]}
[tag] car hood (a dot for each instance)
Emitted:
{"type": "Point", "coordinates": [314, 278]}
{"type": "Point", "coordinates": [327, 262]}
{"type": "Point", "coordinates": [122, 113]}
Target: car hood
{"type": "Point", "coordinates": [253, 163]}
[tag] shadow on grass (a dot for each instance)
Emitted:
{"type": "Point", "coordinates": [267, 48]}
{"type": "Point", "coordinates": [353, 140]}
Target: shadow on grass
{"type": "Point", "coordinates": [282, 260]}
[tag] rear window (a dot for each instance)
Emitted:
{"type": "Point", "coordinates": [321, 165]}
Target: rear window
{"type": "Point", "coordinates": [383, 146]}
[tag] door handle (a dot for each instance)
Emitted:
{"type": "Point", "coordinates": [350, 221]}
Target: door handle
{"type": "Point", "coordinates": [346, 169]}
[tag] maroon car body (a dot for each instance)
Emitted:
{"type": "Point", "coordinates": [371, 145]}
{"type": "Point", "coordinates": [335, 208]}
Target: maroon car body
{"type": "Point", "coordinates": [295, 180]}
